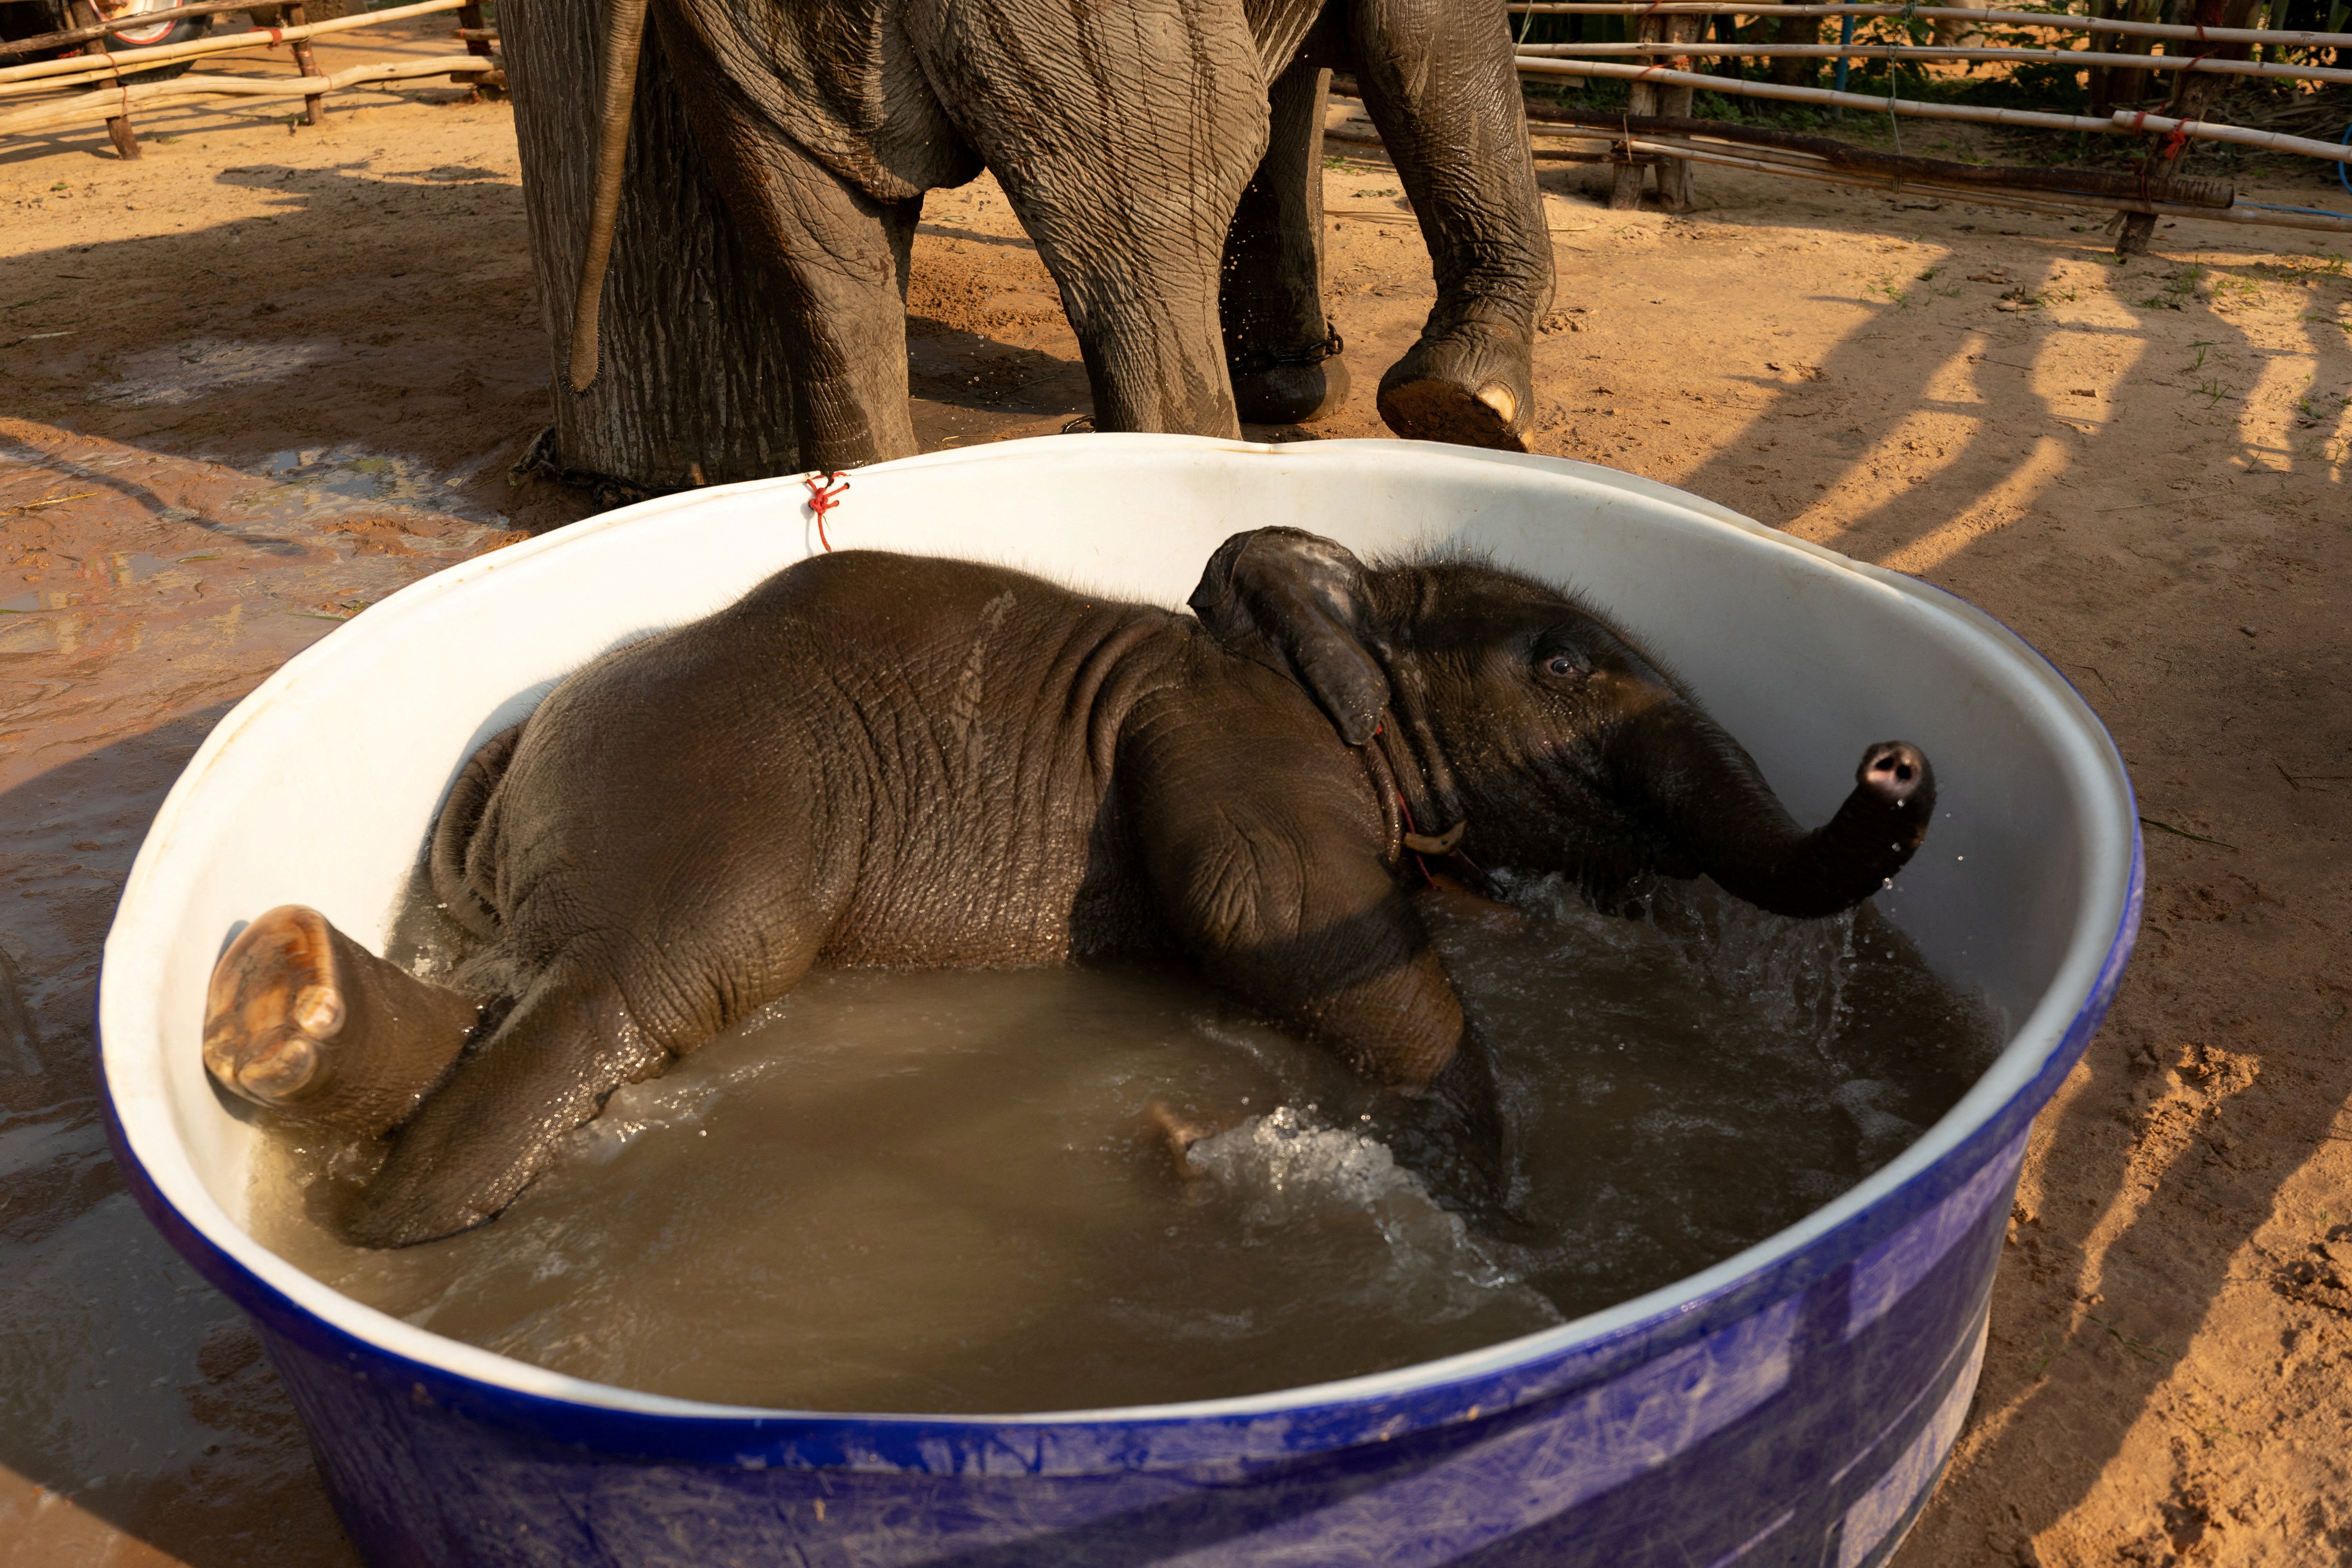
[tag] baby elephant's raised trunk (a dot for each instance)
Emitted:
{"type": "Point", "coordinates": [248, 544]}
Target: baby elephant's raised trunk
{"type": "Point", "coordinates": [1736, 829]}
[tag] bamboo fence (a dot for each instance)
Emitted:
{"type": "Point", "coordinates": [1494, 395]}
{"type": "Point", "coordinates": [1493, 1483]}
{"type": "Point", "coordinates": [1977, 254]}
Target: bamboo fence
{"type": "Point", "coordinates": [2052, 200]}
{"type": "Point", "coordinates": [104, 95]}
{"type": "Point", "coordinates": [65, 72]}
{"type": "Point", "coordinates": [102, 106]}
{"type": "Point", "coordinates": [1924, 53]}
{"type": "Point", "coordinates": [1667, 33]}
{"type": "Point", "coordinates": [2059, 20]}
{"type": "Point", "coordinates": [2123, 121]}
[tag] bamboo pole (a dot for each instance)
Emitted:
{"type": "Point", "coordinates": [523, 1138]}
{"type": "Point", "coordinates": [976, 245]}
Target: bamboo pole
{"type": "Point", "coordinates": [2034, 118]}
{"type": "Point", "coordinates": [2202, 193]}
{"type": "Point", "coordinates": [2122, 121]}
{"type": "Point", "coordinates": [2132, 120]}
{"type": "Point", "coordinates": [1822, 174]}
{"type": "Point", "coordinates": [2006, 18]}
{"type": "Point", "coordinates": [138, 59]}
{"type": "Point", "coordinates": [1958, 181]}
{"type": "Point", "coordinates": [2082, 59]}
{"type": "Point", "coordinates": [201, 88]}
{"type": "Point", "coordinates": [1350, 137]}
{"type": "Point", "coordinates": [1775, 161]}
{"type": "Point", "coordinates": [2072, 207]}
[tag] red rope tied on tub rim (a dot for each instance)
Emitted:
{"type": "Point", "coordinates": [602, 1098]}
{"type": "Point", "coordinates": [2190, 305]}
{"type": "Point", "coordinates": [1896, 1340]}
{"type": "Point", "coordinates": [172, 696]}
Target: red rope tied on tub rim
{"type": "Point", "coordinates": [825, 492]}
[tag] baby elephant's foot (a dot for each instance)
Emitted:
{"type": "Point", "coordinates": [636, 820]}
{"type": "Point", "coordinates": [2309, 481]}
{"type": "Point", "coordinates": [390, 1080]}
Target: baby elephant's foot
{"type": "Point", "coordinates": [1472, 387]}
{"type": "Point", "coordinates": [304, 1020]}
{"type": "Point", "coordinates": [1178, 1134]}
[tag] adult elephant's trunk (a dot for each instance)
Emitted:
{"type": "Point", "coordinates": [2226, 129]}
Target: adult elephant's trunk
{"type": "Point", "coordinates": [1717, 805]}
{"type": "Point", "coordinates": [624, 32]}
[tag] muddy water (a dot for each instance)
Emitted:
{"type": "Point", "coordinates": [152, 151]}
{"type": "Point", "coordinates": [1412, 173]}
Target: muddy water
{"type": "Point", "coordinates": [943, 1190]}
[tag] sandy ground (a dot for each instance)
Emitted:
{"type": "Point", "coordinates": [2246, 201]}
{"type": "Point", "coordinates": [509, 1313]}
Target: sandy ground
{"type": "Point", "coordinates": [264, 377]}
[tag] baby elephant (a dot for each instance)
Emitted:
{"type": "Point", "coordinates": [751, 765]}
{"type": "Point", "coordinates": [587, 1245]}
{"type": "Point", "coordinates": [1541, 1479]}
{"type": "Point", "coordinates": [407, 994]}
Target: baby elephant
{"type": "Point", "coordinates": [877, 758]}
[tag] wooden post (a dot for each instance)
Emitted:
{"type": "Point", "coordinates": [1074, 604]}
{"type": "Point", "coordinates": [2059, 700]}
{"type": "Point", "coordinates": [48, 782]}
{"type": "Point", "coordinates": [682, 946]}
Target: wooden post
{"type": "Point", "coordinates": [82, 14]}
{"type": "Point", "coordinates": [2193, 93]}
{"type": "Point", "coordinates": [311, 113]}
{"type": "Point", "coordinates": [470, 21]}
{"type": "Point", "coordinates": [1675, 173]}
{"type": "Point", "coordinates": [1625, 192]}
{"type": "Point", "coordinates": [2101, 77]}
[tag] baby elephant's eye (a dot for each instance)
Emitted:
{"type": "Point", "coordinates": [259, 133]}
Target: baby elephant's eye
{"type": "Point", "coordinates": [1563, 665]}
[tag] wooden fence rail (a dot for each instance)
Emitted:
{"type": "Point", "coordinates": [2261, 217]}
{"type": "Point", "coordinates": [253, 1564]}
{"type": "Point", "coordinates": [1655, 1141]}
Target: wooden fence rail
{"type": "Point", "coordinates": [112, 102]}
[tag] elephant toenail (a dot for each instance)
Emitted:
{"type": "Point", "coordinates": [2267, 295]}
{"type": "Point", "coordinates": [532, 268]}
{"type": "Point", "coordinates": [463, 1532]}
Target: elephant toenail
{"type": "Point", "coordinates": [1501, 399]}
{"type": "Point", "coordinates": [285, 1070]}
{"type": "Point", "coordinates": [317, 1010]}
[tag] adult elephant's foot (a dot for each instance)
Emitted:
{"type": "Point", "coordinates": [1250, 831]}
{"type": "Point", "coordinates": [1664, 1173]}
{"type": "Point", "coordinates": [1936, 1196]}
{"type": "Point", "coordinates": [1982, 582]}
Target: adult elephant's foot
{"type": "Point", "coordinates": [304, 1020]}
{"type": "Point", "coordinates": [1472, 387]}
{"type": "Point", "coordinates": [1297, 390]}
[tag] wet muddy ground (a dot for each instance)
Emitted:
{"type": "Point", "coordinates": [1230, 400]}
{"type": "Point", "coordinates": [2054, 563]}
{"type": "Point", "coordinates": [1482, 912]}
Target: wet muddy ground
{"type": "Point", "coordinates": [257, 380]}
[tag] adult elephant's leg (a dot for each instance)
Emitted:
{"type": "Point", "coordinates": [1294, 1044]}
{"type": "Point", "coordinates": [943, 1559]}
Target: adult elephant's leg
{"type": "Point", "coordinates": [839, 254]}
{"type": "Point", "coordinates": [1123, 136]}
{"type": "Point", "coordinates": [1437, 81]}
{"type": "Point", "coordinates": [1281, 351]}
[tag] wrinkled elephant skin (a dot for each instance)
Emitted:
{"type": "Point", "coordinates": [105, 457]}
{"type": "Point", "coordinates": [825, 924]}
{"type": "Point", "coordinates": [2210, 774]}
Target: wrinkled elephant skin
{"type": "Point", "coordinates": [1164, 155]}
{"type": "Point", "coordinates": [875, 759]}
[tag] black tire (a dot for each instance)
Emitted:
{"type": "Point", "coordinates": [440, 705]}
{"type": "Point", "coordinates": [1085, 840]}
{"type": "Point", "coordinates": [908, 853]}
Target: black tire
{"type": "Point", "coordinates": [154, 29]}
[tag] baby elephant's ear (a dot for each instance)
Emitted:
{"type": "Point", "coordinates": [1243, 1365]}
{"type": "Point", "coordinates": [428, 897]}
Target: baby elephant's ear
{"type": "Point", "coordinates": [1297, 603]}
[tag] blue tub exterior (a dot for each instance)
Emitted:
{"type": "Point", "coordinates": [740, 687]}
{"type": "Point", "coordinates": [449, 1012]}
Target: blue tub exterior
{"type": "Point", "coordinates": [1798, 1417]}
{"type": "Point", "coordinates": [1798, 1412]}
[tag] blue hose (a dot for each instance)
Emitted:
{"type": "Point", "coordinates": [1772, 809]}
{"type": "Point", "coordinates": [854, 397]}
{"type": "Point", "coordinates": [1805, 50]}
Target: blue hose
{"type": "Point", "coordinates": [2343, 141]}
{"type": "Point", "coordinates": [2275, 207]}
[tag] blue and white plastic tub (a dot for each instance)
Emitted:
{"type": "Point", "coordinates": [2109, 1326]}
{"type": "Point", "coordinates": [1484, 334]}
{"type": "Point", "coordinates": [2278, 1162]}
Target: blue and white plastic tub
{"type": "Point", "coordinates": [1791, 1404]}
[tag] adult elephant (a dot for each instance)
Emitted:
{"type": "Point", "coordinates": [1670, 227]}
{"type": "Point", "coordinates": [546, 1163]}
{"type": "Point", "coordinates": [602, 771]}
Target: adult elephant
{"type": "Point", "coordinates": [1164, 155]}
